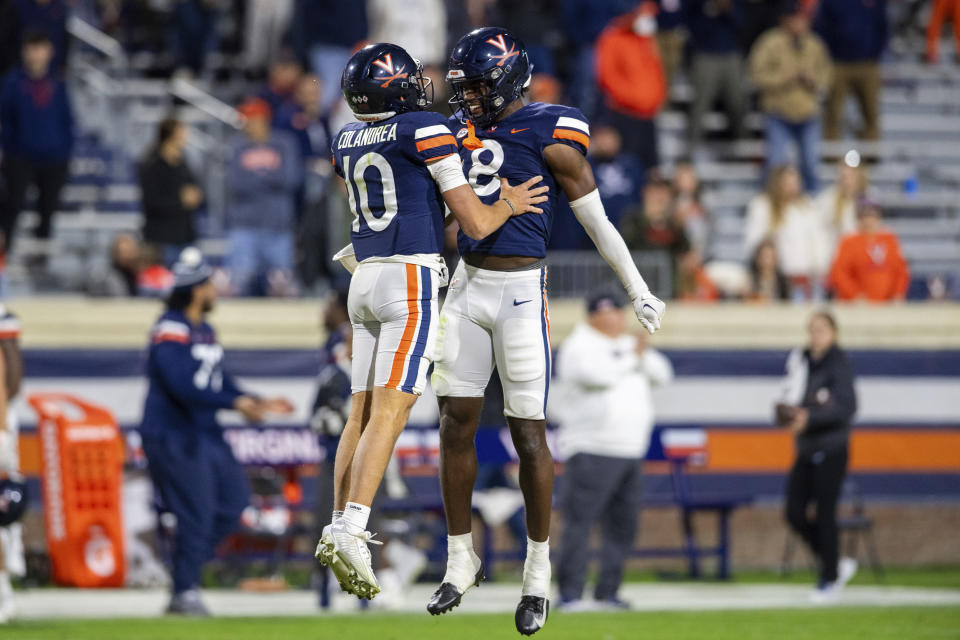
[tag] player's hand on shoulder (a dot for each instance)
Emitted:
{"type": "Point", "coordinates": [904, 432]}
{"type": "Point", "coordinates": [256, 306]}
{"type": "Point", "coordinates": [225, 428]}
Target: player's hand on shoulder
{"type": "Point", "coordinates": [649, 309]}
{"type": "Point", "coordinates": [524, 197]}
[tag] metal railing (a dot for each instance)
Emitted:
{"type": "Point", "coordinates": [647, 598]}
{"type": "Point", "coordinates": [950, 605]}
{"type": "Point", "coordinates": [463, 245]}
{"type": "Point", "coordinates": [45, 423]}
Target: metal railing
{"type": "Point", "coordinates": [578, 274]}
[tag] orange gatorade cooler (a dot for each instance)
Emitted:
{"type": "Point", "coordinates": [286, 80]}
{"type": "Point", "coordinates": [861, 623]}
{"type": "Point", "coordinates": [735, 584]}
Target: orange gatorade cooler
{"type": "Point", "coordinates": [82, 454]}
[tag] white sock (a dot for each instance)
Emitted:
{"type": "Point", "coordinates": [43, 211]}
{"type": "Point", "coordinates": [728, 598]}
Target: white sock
{"type": "Point", "coordinates": [356, 515]}
{"type": "Point", "coordinates": [336, 515]}
{"type": "Point", "coordinates": [462, 561]}
{"type": "Point", "coordinates": [536, 569]}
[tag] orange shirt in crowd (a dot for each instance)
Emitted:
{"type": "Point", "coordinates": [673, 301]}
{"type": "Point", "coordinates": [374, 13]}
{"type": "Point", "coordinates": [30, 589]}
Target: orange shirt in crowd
{"type": "Point", "coordinates": [629, 70]}
{"type": "Point", "coordinates": [870, 266]}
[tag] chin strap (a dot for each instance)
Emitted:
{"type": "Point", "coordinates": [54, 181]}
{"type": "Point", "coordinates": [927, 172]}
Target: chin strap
{"type": "Point", "coordinates": [472, 141]}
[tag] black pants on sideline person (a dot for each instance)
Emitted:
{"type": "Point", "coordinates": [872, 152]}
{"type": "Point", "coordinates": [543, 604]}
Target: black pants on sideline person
{"type": "Point", "coordinates": [19, 174]}
{"type": "Point", "coordinates": [818, 478]}
{"type": "Point", "coordinates": [605, 490]}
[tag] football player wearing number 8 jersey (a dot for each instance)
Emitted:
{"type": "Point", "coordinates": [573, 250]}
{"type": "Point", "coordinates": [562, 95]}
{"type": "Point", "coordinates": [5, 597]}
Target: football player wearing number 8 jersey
{"type": "Point", "coordinates": [496, 308]}
{"type": "Point", "coordinates": [400, 166]}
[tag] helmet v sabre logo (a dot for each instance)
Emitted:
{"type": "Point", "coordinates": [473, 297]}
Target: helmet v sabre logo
{"type": "Point", "coordinates": [501, 44]}
{"type": "Point", "coordinates": [386, 63]}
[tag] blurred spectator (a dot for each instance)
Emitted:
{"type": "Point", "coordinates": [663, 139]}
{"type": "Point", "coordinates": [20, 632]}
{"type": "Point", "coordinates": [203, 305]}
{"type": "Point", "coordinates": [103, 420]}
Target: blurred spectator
{"type": "Point", "coordinates": [325, 33]}
{"type": "Point", "coordinates": [652, 226]}
{"type": "Point", "coordinates": [155, 280]}
{"type": "Point", "coordinates": [301, 117]}
{"type": "Point", "coordinates": [50, 18]}
{"type": "Point", "coordinates": [671, 36]}
{"type": "Point", "coordinates": [791, 68]}
{"type": "Point", "coordinates": [817, 405]}
{"type": "Point", "coordinates": [869, 263]}
{"type": "Point", "coordinates": [618, 174]}
{"type": "Point", "coordinates": [942, 10]}
{"type": "Point", "coordinates": [693, 283]}
{"type": "Point", "coordinates": [767, 282]}
{"type": "Point", "coordinates": [419, 26]}
{"type": "Point", "coordinates": [583, 20]}
{"type": "Point", "coordinates": [267, 24]}
{"type": "Point", "coordinates": [170, 193]}
{"type": "Point", "coordinates": [837, 203]}
{"type": "Point", "coordinates": [605, 413]}
{"type": "Point", "coordinates": [282, 81]}
{"type": "Point", "coordinates": [786, 215]}
{"type": "Point", "coordinates": [36, 136]}
{"type": "Point", "coordinates": [717, 68]}
{"type": "Point", "coordinates": [688, 207]}
{"type": "Point", "coordinates": [263, 176]}
{"type": "Point", "coordinates": [194, 33]}
{"type": "Point", "coordinates": [631, 78]}
{"type": "Point", "coordinates": [856, 34]}
{"type": "Point", "coordinates": [121, 278]}
{"type": "Point", "coordinates": [545, 88]}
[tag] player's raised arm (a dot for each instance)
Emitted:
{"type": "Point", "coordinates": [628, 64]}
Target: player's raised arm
{"type": "Point", "coordinates": [476, 219]}
{"type": "Point", "coordinates": [575, 177]}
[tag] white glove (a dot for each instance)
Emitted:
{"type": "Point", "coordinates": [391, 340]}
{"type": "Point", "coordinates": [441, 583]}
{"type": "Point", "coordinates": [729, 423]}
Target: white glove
{"type": "Point", "coordinates": [347, 258]}
{"type": "Point", "coordinates": [649, 309]}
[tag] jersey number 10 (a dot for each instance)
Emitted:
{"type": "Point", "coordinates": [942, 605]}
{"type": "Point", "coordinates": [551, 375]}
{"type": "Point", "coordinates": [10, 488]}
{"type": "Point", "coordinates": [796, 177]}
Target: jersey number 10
{"type": "Point", "coordinates": [388, 188]}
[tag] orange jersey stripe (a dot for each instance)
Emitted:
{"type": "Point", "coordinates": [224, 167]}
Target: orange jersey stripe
{"type": "Point", "coordinates": [406, 341]}
{"type": "Point", "coordinates": [439, 141]}
{"type": "Point", "coordinates": [570, 134]}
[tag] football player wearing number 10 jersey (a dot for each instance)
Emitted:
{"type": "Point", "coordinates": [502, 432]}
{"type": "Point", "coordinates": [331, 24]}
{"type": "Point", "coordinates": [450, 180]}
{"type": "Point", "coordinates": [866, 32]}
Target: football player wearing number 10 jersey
{"type": "Point", "coordinates": [400, 166]}
{"type": "Point", "coordinates": [496, 307]}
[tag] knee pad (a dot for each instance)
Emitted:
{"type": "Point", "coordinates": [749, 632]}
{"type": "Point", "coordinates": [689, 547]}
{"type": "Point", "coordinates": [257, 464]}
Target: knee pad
{"type": "Point", "coordinates": [525, 404]}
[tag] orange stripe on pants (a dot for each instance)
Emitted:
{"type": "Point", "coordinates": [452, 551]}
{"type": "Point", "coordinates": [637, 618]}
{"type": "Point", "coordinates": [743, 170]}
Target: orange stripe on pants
{"type": "Point", "coordinates": [413, 317]}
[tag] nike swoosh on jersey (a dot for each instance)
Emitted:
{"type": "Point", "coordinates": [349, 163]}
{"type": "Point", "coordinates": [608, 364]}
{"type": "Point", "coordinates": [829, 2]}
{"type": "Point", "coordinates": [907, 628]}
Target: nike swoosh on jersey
{"type": "Point", "coordinates": [519, 130]}
{"type": "Point", "coordinates": [517, 304]}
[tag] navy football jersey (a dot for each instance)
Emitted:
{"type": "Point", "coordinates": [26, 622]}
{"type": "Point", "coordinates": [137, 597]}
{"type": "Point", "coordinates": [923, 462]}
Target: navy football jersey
{"type": "Point", "coordinates": [513, 149]}
{"type": "Point", "coordinates": [187, 381]}
{"type": "Point", "coordinates": [396, 204]}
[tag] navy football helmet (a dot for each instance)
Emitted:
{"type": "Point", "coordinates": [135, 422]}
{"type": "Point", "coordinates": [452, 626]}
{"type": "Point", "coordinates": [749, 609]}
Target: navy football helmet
{"type": "Point", "coordinates": [492, 64]}
{"type": "Point", "coordinates": [13, 500]}
{"type": "Point", "coordinates": [382, 80]}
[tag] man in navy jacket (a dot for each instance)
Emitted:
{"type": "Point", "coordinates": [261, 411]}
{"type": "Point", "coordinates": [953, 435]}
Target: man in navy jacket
{"type": "Point", "coordinates": [192, 466]}
{"type": "Point", "coordinates": [36, 135]}
{"type": "Point", "coordinates": [856, 33]}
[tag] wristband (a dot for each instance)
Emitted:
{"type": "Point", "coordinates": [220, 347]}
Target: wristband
{"type": "Point", "coordinates": [513, 211]}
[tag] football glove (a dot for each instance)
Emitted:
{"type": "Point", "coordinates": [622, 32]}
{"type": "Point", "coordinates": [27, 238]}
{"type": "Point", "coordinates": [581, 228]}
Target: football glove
{"type": "Point", "coordinates": [649, 309]}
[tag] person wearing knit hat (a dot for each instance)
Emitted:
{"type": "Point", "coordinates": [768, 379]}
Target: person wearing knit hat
{"type": "Point", "coordinates": [193, 469]}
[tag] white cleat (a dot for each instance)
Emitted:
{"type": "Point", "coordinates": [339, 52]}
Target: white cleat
{"type": "Point", "coordinates": [846, 569]}
{"type": "Point", "coordinates": [351, 548]}
{"type": "Point", "coordinates": [827, 594]}
{"type": "Point", "coordinates": [327, 556]}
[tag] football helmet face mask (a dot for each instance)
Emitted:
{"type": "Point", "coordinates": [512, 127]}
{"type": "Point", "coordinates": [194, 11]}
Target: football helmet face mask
{"type": "Point", "coordinates": [488, 69]}
{"type": "Point", "coordinates": [382, 80]}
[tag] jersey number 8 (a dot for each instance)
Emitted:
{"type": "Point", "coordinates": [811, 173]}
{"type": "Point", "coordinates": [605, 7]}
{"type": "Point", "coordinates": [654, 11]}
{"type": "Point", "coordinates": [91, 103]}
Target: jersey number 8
{"type": "Point", "coordinates": [387, 187]}
{"type": "Point", "coordinates": [487, 169]}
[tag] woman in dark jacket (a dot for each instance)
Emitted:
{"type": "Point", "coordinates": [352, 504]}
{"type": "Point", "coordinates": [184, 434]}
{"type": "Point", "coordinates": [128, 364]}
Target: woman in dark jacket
{"type": "Point", "coordinates": [820, 402]}
{"type": "Point", "coordinates": [170, 193]}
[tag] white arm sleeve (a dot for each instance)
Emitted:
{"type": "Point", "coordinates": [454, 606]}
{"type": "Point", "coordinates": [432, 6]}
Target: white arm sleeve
{"type": "Point", "coordinates": [447, 173]}
{"type": "Point", "coordinates": [590, 213]}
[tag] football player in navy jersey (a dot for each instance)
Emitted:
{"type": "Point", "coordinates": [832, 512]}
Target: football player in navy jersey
{"type": "Point", "coordinates": [496, 307]}
{"type": "Point", "coordinates": [401, 167]}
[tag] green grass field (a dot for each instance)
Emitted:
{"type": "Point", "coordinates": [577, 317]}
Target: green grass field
{"type": "Point", "coordinates": [913, 623]}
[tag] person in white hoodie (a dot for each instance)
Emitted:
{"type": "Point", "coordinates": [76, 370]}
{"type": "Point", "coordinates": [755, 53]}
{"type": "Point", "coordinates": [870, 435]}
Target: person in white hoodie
{"type": "Point", "coordinates": [605, 410]}
{"type": "Point", "coordinates": [784, 214]}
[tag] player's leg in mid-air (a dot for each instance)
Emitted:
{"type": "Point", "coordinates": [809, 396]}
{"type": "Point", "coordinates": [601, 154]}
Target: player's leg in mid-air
{"type": "Point", "coordinates": [489, 317]}
{"type": "Point", "coordinates": [392, 309]}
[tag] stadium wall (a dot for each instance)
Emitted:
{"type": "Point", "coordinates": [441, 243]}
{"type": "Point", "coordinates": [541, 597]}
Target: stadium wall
{"type": "Point", "coordinates": [728, 360]}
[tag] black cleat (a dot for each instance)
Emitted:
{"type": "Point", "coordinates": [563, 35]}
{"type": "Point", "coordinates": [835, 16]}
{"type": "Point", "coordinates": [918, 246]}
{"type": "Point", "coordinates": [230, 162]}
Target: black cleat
{"type": "Point", "coordinates": [531, 614]}
{"type": "Point", "coordinates": [448, 597]}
